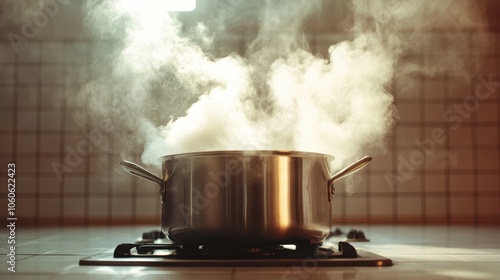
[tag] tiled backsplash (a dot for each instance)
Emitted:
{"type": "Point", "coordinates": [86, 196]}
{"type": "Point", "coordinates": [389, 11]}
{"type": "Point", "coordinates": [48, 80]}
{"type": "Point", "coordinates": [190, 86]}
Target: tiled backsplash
{"type": "Point", "coordinates": [40, 135]}
{"type": "Point", "coordinates": [456, 181]}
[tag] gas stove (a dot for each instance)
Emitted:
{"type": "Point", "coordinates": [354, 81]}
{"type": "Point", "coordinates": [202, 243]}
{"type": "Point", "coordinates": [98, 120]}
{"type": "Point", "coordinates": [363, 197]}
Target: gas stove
{"type": "Point", "coordinates": [153, 249]}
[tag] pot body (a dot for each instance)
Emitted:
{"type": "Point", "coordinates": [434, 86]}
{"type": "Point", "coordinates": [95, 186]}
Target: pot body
{"type": "Point", "coordinates": [242, 197]}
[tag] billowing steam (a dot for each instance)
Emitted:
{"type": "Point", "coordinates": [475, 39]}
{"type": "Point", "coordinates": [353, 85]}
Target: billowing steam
{"type": "Point", "coordinates": [165, 87]}
{"type": "Point", "coordinates": [166, 93]}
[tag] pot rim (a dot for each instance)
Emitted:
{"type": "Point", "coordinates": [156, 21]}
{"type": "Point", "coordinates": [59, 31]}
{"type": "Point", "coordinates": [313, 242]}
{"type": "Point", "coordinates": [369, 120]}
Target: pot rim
{"type": "Point", "coordinates": [247, 153]}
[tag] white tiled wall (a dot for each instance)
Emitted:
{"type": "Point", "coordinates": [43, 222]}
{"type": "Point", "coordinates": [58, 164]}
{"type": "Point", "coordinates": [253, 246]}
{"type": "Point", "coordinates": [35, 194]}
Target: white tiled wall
{"type": "Point", "coordinates": [458, 183]}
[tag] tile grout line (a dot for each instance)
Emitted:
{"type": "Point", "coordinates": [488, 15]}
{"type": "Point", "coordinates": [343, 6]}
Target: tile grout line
{"type": "Point", "coordinates": [368, 195]}
{"type": "Point", "coordinates": [396, 185]}
{"type": "Point", "coordinates": [62, 143]}
{"type": "Point", "coordinates": [447, 147]}
{"type": "Point", "coordinates": [15, 110]}
{"type": "Point", "coordinates": [134, 199]}
{"type": "Point", "coordinates": [343, 207]}
{"type": "Point", "coordinates": [394, 158]}
{"type": "Point", "coordinates": [492, 171]}
{"type": "Point", "coordinates": [354, 195]}
{"type": "Point", "coordinates": [474, 141]}
{"type": "Point", "coordinates": [110, 185]}
{"type": "Point", "coordinates": [86, 183]}
{"type": "Point", "coordinates": [497, 60]}
{"type": "Point", "coordinates": [38, 134]}
{"type": "Point", "coordinates": [86, 199]}
{"type": "Point", "coordinates": [408, 124]}
{"type": "Point", "coordinates": [447, 169]}
{"type": "Point", "coordinates": [457, 257]}
{"type": "Point", "coordinates": [79, 195]}
{"type": "Point", "coordinates": [496, 42]}
{"type": "Point", "coordinates": [422, 130]}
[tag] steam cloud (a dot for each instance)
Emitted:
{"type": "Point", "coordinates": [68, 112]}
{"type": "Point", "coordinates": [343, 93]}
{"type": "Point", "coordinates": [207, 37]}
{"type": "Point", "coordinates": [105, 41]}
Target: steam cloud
{"type": "Point", "coordinates": [165, 92]}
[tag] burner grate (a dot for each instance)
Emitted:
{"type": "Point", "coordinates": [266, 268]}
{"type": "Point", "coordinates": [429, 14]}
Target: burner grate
{"type": "Point", "coordinates": [153, 250]}
{"type": "Point", "coordinates": [125, 250]}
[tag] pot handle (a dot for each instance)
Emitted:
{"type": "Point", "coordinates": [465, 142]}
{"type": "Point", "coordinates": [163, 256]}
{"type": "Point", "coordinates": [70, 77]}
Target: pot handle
{"type": "Point", "coordinates": [140, 171]}
{"type": "Point", "coordinates": [353, 167]}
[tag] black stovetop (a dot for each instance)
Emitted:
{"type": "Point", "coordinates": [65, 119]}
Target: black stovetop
{"type": "Point", "coordinates": [153, 249]}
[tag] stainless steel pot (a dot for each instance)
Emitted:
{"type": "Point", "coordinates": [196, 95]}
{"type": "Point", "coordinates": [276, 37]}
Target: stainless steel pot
{"type": "Point", "coordinates": [246, 197]}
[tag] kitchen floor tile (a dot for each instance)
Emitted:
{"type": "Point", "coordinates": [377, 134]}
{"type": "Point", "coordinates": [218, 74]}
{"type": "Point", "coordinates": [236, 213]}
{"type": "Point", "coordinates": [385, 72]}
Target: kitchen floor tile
{"type": "Point", "coordinates": [143, 276]}
{"type": "Point", "coordinates": [34, 276]}
{"type": "Point", "coordinates": [357, 273]}
{"type": "Point", "coordinates": [295, 272]}
{"type": "Point", "coordinates": [36, 249]}
{"type": "Point", "coordinates": [430, 266]}
{"type": "Point", "coordinates": [110, 277]}
{"type": "Point", "coordinates": [432, 252]}
{"type": "Point", "coordinates": [140, 272]}
{"type": "Point", "coordinates": [46, 264]}
{"type": "Point", "coordinates": [76, 250]}
{"type": "Point", "coordinates": [4, 265]}
{"type": "Point", "coordinates": [416, 258]}
{"type": "Point", "coordinates": [479, 258]}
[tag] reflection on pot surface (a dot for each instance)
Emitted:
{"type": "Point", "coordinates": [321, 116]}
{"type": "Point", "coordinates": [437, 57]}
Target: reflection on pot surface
{"type": "Point", "coordinates": [246, 196]}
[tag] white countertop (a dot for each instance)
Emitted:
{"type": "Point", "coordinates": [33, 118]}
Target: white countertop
{"type": "Point", "coordinates": [418, 252]}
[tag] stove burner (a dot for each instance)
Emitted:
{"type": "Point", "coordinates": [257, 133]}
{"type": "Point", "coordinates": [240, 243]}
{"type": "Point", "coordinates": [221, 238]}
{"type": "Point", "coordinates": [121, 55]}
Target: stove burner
{"type": "Point", "coordinates": [356, 236]}
{"type": "Point", "coordinates": [124, 250]}
{"type": "Point", "coordinates": [151, 236]}
{"type": "Point", "coordinates": [154, 250]}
